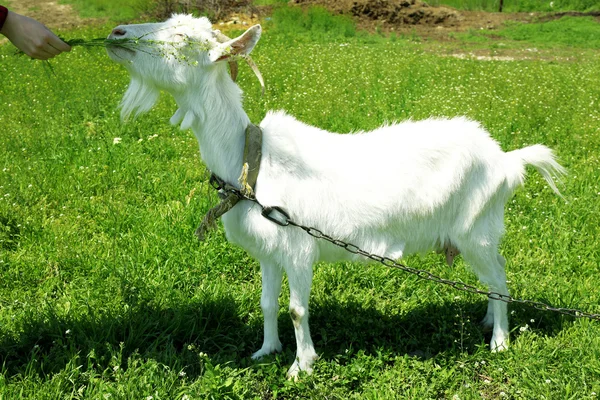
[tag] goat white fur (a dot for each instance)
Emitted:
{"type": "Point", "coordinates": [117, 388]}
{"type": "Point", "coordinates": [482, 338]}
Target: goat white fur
{"type": "Point", "coordinates": [400, 189]}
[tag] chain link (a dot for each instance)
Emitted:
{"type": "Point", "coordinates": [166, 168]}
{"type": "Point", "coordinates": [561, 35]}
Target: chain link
{"type": "Point", "coordinates": [284, 219]}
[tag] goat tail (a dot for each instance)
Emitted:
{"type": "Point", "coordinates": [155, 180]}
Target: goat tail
{"type": "Point", "coordinates": [542, 159]}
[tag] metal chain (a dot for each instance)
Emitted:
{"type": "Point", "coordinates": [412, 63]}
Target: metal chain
{"type": "Point", "coordinates": [282, 218]}
{"type": "Point", "coordinates": [423, 274]}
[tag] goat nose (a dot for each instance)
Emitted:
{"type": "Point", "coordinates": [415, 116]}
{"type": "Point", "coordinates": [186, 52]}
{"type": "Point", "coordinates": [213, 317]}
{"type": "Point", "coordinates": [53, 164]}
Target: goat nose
{"type": "Point", "coordinates": [118, 32]}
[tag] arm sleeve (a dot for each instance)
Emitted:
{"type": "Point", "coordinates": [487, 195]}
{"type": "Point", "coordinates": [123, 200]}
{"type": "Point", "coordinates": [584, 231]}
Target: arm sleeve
{"type": "Point", "coordinates": [3, 15]}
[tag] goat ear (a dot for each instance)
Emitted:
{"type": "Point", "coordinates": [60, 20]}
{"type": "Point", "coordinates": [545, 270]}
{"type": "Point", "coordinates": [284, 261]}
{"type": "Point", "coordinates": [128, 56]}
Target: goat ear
{"type": "Point", "coordinates": [240, 46]}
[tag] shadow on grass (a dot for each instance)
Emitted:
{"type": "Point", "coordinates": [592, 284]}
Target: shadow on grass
{"type": "Point", "coordinates": [176, 336]}
{"type": "Point", "coordinates": [426, 331]}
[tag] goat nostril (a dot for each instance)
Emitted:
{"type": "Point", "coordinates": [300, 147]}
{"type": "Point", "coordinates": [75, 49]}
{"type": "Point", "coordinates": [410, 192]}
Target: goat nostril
{"type": "Point", "coordinates": [118, 32]}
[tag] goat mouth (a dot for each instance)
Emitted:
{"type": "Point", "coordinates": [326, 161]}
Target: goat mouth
{"type": "Point", "coordinates": [119, 51]}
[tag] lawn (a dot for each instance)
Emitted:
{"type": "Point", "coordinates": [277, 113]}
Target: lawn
{"type": "Point", "coordinates": [105, 292]}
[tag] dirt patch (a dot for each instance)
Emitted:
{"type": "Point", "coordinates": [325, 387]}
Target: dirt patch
{"type": "Point", "coordinates": [238, 20]}
{"type": "Point", "coordinates": [50, 13]}
{"type": "Point", "coordinates": [413, 16]}
{"type": "Point", "coordinates": [411, 12]}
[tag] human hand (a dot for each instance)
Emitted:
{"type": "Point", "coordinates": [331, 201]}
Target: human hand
{"type": "Point", "coordinates": [32, 37]}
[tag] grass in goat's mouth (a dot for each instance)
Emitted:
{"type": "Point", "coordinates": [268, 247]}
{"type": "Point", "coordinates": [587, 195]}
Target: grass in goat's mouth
{"type": "Point", "coordinates": [102, 42]}
{"type": "Point", "coordinates": [129, 44]}
{"type": "Point", "coordinates": [136, 44]}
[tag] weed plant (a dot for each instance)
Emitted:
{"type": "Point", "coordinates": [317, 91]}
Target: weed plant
{"type": "Point", "coordinates": [105, 292]}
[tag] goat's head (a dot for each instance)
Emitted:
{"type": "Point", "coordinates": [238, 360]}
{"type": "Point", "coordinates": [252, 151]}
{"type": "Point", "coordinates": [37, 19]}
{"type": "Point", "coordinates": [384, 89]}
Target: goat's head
{"type": "Point", "coordinates": [173, 55]}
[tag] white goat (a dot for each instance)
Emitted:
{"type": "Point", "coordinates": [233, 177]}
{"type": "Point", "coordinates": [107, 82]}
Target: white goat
{"type": "Point", "coordinates": [404, 188]}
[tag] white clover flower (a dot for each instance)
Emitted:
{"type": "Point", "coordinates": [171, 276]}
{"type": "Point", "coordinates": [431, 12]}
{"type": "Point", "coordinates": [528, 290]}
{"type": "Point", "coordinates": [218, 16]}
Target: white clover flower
{"type": "Point", "coordinates": [117, 140]}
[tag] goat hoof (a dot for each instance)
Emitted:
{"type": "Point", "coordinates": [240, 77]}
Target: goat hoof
{"type": "Point", "coordinates": [304, 363]}
{"type": "Point", "coordinates": [267, 349]}
{"type": "Point", "coordinates": [497, 346]}
{"type": "Point", "coordinates": [294, 371]}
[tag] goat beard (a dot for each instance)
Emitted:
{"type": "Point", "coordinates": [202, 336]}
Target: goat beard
{"type": "Point", "coordinates": [139, 98]}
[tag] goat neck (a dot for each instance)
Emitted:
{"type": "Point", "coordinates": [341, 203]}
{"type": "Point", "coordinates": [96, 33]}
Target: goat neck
{"type": "Point", "coordinates": [212, 108]}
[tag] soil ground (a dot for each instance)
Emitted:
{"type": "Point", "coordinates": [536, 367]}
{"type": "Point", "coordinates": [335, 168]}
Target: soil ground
{"type": "Point", "coordinates": [50, 13]}
{"type": "Point", "coordinates": [414, 16]}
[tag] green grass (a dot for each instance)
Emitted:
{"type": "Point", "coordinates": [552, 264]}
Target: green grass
{"type": "Point", "coordinates": [269, 2]}
{"type": "Point", "coordinates": [105, 293]}
{"type": "Point", "coordinates": [115, 10]}
{"type": "Point", "coordinates": [566, 32]}
{"type": "Point", "coordinates": [316, 23]}
{"type": "Point", "coordinates": [521, 5]}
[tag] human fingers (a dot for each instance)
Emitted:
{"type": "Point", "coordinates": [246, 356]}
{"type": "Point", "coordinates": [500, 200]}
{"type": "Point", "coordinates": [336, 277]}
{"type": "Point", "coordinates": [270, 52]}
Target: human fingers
{"type": "Point", "coordinates": [39, 48]}
{"type": "Point", "coordinates": [47, 45]}
{"type": "Point", "coordinates": [40, 53]}
{"type": "Point", "coordinates": [34, 38]}
{"type": "Point", "coordinates": [51, 49]}
{"type": "Point", "coordinates": [58, 44]}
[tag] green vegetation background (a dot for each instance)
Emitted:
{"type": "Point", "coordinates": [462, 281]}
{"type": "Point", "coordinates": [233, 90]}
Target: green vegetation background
{"type": "Point", "coordinates": [127, 9]}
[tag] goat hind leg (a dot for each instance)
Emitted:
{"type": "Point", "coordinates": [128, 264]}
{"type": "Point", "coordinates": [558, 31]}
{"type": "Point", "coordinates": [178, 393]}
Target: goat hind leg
{"type": "Point", "coordinates": [489, 266]}
{"type": "Point", "coordinates": [300, 280]}
{"type": "Point", "coordinates": [269, 302]}
{"type": "Point", "coordinates": [488, 320]}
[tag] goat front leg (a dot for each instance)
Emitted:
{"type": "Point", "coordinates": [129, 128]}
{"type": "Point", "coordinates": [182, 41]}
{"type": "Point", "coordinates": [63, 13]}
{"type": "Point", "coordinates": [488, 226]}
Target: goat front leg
{"type": "Point", "coordinates": [300, 280]}
{"type": "Point", "coordinates": [269, 302]}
